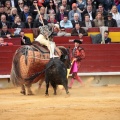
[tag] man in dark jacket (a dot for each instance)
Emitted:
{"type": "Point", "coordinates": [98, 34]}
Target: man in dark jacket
{"type": "Point", "coordinates": [3, 21]}
{"type": "Point", "coordinates": [89, 10]}
{"type": "Point", "coordinates": [78, 31]}
{"type": "Point", "coordinates": [76, 20]}
{"type": "Point", "coordinates": [88, 23]}
{"type": "Point", "coordinates": [110, 22]}
{"type": "Point", "coordinates": [25, 14]}
{"type": "Point", "coordinates": [5, 33]}
{"type": "Point", "coordinates": [39, 23]}
{"type": "Point", "coordinates": [60, 15]}
{"type": "Point", "coordinates": [106, 38]}
{"type": "Point", "coordinates": [25, 40]}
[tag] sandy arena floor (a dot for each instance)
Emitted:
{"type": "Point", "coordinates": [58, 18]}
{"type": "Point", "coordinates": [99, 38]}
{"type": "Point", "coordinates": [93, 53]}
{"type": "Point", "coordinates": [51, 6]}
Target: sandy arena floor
{"type": "Point", "coordinates": [84, 103]}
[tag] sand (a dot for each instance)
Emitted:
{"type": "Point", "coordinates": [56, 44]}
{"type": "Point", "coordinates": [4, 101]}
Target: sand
{"type": "Point", "coordinates": [83, 103]}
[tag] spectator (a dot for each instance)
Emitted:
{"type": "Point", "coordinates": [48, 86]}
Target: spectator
{"type": "Point", "coordinates": [7, 7]}
{"type": "Point", "coordinates": [76, 20]}
{"type": "Point", "coordinates": [60, 15]}
{"type": "Point", "coordinates": [25, 40]}
{"type": "Point", "coordinates": [20, 6]}
{"type": "Point", "coordinates": [26, 2]}
{"type": "Point", "coordinates": [66, 23]}
{"type": "Point", "coordinates": [17, 23]}
{"type": "Point", "coordinates": [33, 9]}
{"type": "Point", "coordinates": [2, 43]}
{"type": "Point", "coordinates": [13, 14]}
{"type": "Point", "coordinates": [88, 23]}
{"type": "Point", "coordinates": [81, 5]}
{"type": "Point", "coordinates": [92, 3]}
{"type": "Point", "coordinates": [108, 4]}
{"type": "Point", "coordinates": [70, 2]}
{"type": "Point", "coordinates": [89, 10]}
{"type": "Point", "coordinates": [42, 11]}
{"type": "Point", "coordinates": [2, 12]}
{"type": "Point", "coordinates": [78, 31]}
{"type": "Point", "coordinates": [101, 9]}
{"type": "Point", "coordinates": [51, 8]}
{"type": "Point", "coordinates": [60, 31]}
{"type": "Point", "coordinates": [39, 23]}
{"type": "Point", "coordinates": [65, 5]}
{"type": "Point", "coordinates": [117, 2]}
{"type": "Point", "coordinates": [110, 22]}
{"type": "Point", "coordinates": [106, 38]}
{"type": "Point", "coordinates": [25, 13]}
{"type": "Point", "coordinates": [99, 20]}
{"type": "Point", "coordinates": [56, 29]}
{"type": "Point", "coordinates": [116, 15]}
{"type": "Point", "coordinates": [14, 3]}
{"type": "Point", "coordinates": [40, 3]}
{"type": "Point", "coordinates": [3, 21]}
{"type": "Point", "coordinates": [74, 10]}
{"type": "Point", "coordinates": [52, 19]}
{"type": "Point", "coordinates": [29, 23]}
{"type": "Point", "coordinates": [5, 33]}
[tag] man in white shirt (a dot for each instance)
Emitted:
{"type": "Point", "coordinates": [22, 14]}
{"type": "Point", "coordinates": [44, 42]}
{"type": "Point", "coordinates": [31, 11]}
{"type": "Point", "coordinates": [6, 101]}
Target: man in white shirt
{"type": "Point", "coordinates": [66, 23]}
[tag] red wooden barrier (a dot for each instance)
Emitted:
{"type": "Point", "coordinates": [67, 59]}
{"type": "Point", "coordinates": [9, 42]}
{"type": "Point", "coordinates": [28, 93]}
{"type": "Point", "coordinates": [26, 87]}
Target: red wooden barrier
{"type": "Point", "coordinates": [6, 55]}
{"type": "Point", "coordinates": [15, 41]}
{"type": "Point", "coordinates": [69, 40]}
{"type": "Point", "coordinates": [99, 58]}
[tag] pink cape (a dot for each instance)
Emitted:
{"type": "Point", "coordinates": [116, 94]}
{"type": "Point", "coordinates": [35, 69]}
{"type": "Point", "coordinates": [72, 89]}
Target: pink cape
{"type": "Point", "coordinates": [74, 67]}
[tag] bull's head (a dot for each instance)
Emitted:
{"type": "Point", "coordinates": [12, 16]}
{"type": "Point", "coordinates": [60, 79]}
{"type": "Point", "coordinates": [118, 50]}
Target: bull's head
{"type": "Point", "coordinates": [65, 57]}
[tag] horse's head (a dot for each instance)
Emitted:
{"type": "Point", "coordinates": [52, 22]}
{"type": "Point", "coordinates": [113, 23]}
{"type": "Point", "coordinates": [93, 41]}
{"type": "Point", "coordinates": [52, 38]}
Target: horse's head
{"type": "Point", "coordinates": [65, 57]}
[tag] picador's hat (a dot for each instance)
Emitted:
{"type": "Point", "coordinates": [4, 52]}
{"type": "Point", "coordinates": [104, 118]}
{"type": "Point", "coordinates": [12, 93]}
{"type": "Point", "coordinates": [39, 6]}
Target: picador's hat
{"type": "Point", "coordinates": [78, 41]}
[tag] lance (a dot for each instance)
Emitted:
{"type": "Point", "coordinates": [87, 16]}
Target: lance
{"type": "Point", "coordinates": [39, 14]}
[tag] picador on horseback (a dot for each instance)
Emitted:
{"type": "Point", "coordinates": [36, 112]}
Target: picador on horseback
{"type": "Point", "coordinates": [31, 60]}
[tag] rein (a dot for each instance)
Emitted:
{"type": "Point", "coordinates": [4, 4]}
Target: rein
{"type": "Point", "coordinates": [39, 73]}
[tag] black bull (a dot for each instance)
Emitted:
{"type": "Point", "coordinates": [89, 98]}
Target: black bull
{"type": "Point", "coordinates": [56, 74]}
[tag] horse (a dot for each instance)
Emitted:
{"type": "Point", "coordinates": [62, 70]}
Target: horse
{"type": "Point", "coordinates": [29, 60]}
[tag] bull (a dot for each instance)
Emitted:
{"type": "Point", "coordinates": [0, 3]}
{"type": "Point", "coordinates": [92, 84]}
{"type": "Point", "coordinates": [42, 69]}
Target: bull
{"type": "Point", "coordinates": [56, 74]}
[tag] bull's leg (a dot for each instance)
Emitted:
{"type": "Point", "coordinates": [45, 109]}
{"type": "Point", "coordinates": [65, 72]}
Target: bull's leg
{"type": "Point", "coordinates": [28, 86]}
{"type": "Point", "coordinates": [54, 87]}
{"type": "Point", "coordinates": [47, 86]}
{"type": "Point", "coordinates": [23, 90]}
{"type": "Point", "coordinates": [65, 84]}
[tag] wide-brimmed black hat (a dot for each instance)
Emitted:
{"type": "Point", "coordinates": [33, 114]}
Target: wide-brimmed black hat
{"type": "Point", "coordinates": [109, 14]}
{"type": "Point", "coordinates": [78, 41]}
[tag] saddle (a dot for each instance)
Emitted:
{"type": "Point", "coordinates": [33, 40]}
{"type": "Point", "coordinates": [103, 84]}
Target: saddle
{"type": "Point", "coordinates": [44, 50]}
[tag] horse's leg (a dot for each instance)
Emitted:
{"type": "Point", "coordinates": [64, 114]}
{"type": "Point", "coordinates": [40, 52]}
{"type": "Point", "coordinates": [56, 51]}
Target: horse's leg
{"type": "Point", "coordinates": [40, 83]}
{"type": "Point", "coordinates": [54, 87]}
{"type": "Point", "coordinates": [65, 84]}
{"type": "Point", "coordinates": [23, 90]}
{"type": "Point", "coordinates": [28, 86]}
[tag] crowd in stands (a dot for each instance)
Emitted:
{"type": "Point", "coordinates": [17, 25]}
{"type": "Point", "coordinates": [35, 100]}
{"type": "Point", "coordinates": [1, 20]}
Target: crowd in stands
{"type": "Point", "coordinates": [61, 14]}
{"type": "Point", "coordinates": [89, 13]}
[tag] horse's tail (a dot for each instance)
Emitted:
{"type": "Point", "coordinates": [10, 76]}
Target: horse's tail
{"type": "Point", "coordinates": [15, 75]}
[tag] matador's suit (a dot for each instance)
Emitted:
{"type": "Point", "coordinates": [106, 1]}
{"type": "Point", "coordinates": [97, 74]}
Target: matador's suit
{"type": "Point", "coordinates": [43, 38]}
{"type": "Point", "coordinates": [79, 54]}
